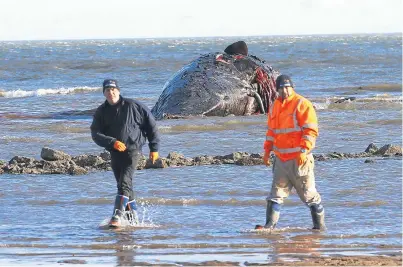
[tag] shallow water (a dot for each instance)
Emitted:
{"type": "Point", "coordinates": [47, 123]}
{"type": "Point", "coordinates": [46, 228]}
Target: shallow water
{"type": "Point", "coordinates": [196, 214]}
{"type": "Point", "coordinates": [200, 213]}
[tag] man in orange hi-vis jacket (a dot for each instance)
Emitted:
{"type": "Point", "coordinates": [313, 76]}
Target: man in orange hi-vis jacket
{"type": "Point", "coordinates": [291, 135]}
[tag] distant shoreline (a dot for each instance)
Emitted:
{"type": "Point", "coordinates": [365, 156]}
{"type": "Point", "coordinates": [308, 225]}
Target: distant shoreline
{"type": "Point", "coordinates": [204, 37]}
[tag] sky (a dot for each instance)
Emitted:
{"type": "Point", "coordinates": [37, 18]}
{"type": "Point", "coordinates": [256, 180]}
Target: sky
{"type": "Point", "coordinates": [109, 19]}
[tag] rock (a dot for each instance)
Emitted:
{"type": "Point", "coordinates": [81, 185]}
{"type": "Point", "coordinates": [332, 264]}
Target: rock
{"type": "Point", "coordinates": [159, 163]}
{"type": "Point", "coordinates": [76, 170]}
{"type": "Point", "coordinates": [175, 156]}
{"type": "Point", "coordinates": [53, 167]}
{"type": "Point", "coordinates": [73, 261]}
{"type": "Point", "coordinates": [389, 150]}
{"type": "Point", "coordinates": [369, 161]}
{"type": "Point", "coordinates": [233, 156]}
{"type": "Point", "coordinates": [238, 155]}
{"type": "Point", "coordinates": [249, 161]}
{"type": "Point", "coordinates": [81, 164]}
{"type": "Point", "coordinates": [177, 159]}
{"type": "Point", "coordinates": [372, 148]}
{"type": "Point", "coordinates": [21, 161]}
{"type": "Point", "coordinates": [53, 155]}
{"type": "Point", "coordinates": [106, 156]}
{"type": "Point", "coordinates": [336, 155]}
{"type": "Point", "coordinates": [88, 160]}
{"type": "Point", "coordinates": [206, 160]}
{"type": "Point", "coordinates": [361, 155]}
{"type": "Point", "coordinates": [256, 155]}
{"type": "Point", "coordinates": [142, 162]}
{"type": "Point", "coordinates": [9, 168]}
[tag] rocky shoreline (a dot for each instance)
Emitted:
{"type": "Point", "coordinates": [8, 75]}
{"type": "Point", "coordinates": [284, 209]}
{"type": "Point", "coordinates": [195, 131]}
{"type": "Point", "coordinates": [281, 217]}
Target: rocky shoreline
{"type": "Point", "coordinates": [57, 162]}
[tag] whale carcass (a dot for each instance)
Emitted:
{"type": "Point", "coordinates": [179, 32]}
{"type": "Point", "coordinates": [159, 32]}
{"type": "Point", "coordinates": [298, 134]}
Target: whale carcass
{"type": "Point", "coordinates": [219, 84]}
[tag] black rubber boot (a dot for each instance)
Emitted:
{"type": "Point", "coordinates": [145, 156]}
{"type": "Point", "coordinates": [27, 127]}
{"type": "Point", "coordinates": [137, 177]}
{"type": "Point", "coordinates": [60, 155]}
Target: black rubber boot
{"type": "Point", "coordinates": [318, 217]}
{"type": "Point", "coordinates": [272, 215]}
{"type": "Point", "coordinates": [118, 211]}
{"type": "Point", "coordinates": [131, 213]}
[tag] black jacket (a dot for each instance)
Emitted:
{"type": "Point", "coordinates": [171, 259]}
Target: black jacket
{"type": "Point", "coordinates": [127, 121]}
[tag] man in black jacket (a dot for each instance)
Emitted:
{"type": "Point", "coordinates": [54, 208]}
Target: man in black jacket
{"type": "Point", "coordinates": [121, 126]}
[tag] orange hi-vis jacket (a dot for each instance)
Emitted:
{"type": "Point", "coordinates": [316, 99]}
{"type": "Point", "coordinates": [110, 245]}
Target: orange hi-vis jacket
{"type": "Point", "coordinates": [292, 125]}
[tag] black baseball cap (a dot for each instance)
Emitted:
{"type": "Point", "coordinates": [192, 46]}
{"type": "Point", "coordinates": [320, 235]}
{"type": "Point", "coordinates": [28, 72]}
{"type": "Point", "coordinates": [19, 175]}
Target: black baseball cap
{"type": "Point", "coordinates": [283, 81]}
{"type": "Point", "coordinates": [110, 83]}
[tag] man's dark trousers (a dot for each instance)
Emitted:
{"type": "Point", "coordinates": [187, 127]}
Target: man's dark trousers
{"type": "Point", "coordinates": [123, 165]}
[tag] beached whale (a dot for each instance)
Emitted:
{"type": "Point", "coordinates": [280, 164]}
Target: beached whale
{"type": "Point", "coordinates": [219, 84]}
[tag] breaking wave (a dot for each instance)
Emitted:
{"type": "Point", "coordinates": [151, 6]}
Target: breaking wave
{"type": "Point", "coordinates": [378, 101]}
{"type": "Point", "coordinates": [42, 92]}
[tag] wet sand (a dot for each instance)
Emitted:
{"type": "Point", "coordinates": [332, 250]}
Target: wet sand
{"type": "Point", "coordinates": [376, 260]}
{"type": "Point", "coordinates": [392, 260]}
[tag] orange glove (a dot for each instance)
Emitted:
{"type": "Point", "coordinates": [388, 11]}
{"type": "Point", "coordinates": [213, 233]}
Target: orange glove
{"type": "Point", "coordinates": [266, 158]}
{"type": "Point", "coordinates": [119, 146]}
{"type": "Point", "coordinates": [153, 156]}
{"type": "Point", "coordinates": [301, 159]}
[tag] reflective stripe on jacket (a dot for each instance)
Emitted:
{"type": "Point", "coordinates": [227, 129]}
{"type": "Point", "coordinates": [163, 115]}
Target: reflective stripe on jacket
{"type": "Point", "coordinates": [292, 125]}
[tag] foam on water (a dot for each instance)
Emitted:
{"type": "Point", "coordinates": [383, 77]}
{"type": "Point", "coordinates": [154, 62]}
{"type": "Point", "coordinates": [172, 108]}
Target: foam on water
{"type": "Point", "coordinates": [126, 225]}
{"type": "Point", "coordinates": [42, 92]}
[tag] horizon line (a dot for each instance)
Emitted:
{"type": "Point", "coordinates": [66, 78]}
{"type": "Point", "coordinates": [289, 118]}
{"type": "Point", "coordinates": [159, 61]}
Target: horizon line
{"type": "Point", "coordinates": [196, 37]}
